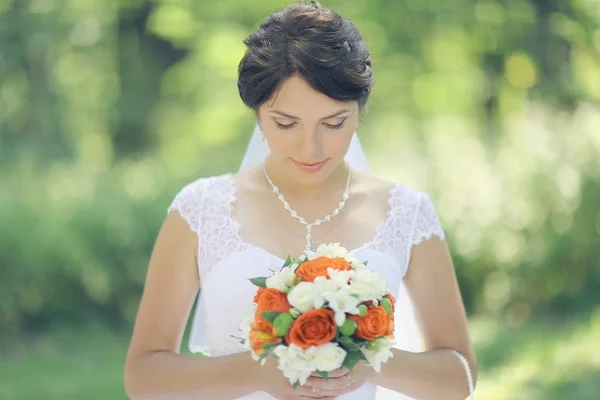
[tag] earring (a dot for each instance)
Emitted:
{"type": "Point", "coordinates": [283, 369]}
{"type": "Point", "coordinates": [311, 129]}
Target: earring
{"type": "Point", "coordinates": [262, 137]}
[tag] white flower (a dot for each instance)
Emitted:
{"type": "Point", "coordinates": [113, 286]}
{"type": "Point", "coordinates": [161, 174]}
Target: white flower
{"type": "Point", "coordinates": [296, 363]}
{"type": "Point", "coordinates": [342, 302]}
{"type": "Point", "coordinates": [368, 285]}
{"type": "Point", "coordinates": [329, 356]}
{"type": "Point", "coordinates": [256, 357]}
{"type": "Point", "coordinates": [355, 263]}
{"type": "Point", "coordinates": [376, 357]}
{"type": "Point", "coordinates": [325, 285]}
{"type": "Point", "coordinates": [332, 250]}
{"type": "Point", "coordinates": [340, 278]}
{"type": "Point", "coordinates": [245, 326]}
{"type": "Point", "coordinates": [305, 296]}
{"type": "Point", "coordinates": [281, 280]}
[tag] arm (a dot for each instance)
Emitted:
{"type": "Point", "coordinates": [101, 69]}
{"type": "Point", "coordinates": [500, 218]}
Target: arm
{"type": "Point", "coordinates": [436, 373]}
{"type": "Point", "coordinates": [154, 368]}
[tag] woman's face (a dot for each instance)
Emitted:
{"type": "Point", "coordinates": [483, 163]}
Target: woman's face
{"type": "Point", "coordinates": [308, 133]}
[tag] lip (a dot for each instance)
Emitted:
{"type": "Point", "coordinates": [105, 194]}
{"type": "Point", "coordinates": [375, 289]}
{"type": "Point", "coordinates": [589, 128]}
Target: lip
{"type": "Point", "coordinates": [310, 168]}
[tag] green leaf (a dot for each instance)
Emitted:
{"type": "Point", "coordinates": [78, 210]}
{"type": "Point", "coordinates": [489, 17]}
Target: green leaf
{"type": "Point", "coordinates": [352, 358]}
{"type": "Point", "coordinates": [288, 262]}
{"type": "Point", "coordinates": [348, 344]}
{"type": "Point", "coordinates": [263, 356]}
{"type": "Point", "coordinates": [260, 282]}
{"type": "Point", "coordinates": [239, 339]}
{"type": "Point", "coordinates": [270, 315]}
{"type": "Point", "coordinates": [362, 356]}
{"type": "Point", "coordinates": [370, 346]}
{"type": "Point", "coordinates": [324, 375]}
{"type": "Point", "coordinates": [282, 323]}
{"type": "Point", "coordinates": [296, 384]}
{"type": "Point", "coordinates": [348, 327]}
{"type": "Point", "coordinates": [386, 303]}
{"type": "Point", "coordinates": [267, 347]}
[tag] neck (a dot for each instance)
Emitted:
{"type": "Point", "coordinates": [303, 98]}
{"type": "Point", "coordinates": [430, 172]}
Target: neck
{"type": "Point", "coordinates": [289, 187]}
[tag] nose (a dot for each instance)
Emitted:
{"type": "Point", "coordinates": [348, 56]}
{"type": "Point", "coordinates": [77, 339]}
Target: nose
{"type": "Point", "coordinates": [310, 144]}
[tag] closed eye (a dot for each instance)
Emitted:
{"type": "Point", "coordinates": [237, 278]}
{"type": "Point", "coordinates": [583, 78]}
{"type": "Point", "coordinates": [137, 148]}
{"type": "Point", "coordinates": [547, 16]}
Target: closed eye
{"type": "Point", "coordinates": [284, 126]}
{"type": "Point", "coordinates": [289, 126]}
{"type": "Point", "coordinates": [336, 126]}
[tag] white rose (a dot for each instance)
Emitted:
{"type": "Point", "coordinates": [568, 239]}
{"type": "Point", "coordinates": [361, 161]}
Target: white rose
{"type": "Point", "coordinates": [296, 363]}
{"type": "Point", "coordinates": [342, 302]}
{"type": "Point", "coordinates": [329, 356]}
{"type": "Point", "coordinates": [377, 357]}
{"type": "Point", "coordinates": [305, 296]}
{"type": "Point", "coordinates": [281, 280]}
{"type": "Point", "coordinates": [368, 285]}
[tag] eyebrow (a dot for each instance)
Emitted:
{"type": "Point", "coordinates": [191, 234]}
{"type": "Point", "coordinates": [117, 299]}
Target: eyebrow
{"type": "Point", "coordinates": [345, 110]}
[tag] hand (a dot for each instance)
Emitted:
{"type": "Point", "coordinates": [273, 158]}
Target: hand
{"type": "Point", "coordinates": [341, 380]}
{"type": "Point", "coordinates": [270, 379]}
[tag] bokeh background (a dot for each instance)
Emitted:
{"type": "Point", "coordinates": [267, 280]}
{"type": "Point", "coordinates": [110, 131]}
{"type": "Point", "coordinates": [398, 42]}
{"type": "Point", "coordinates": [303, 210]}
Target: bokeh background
{"type": "Point", "coordinates": [108, 108]}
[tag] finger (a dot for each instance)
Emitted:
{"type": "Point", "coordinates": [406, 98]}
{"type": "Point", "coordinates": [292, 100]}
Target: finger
{"type": "Point", "coordinates": [335, 384]}
{"type": "Point", "coordinates": [304, 392]}
{"type": "Point", "coordinates": [336, 373]}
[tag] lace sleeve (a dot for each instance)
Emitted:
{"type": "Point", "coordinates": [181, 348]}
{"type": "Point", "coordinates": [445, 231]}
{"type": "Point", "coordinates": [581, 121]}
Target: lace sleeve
{"type": "Point", "coordinates": [188, 202]}
{"type": "Point", "coordinates": [426, 223]}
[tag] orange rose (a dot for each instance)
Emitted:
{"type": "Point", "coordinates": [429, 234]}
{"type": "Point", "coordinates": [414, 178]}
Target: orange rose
{"type": "Point", "coordinates": [259, 293]}
{"type": "Point", "coordinates": [369, 303]}
{"type": "Point", "coordinates": [313, 328]}
{"type": "Point", "coordinates": [262, 333]}
{"type": "Point", "coordinates": [374, 324]}
{"type": "Point", "coordinates": [391, 325]}
{"type": "Point", "coordinates": [393, 300]}
{"type": "Point", "coordinates": [271, 300]}
{"type": "Point", "coordinates": [309, 270]}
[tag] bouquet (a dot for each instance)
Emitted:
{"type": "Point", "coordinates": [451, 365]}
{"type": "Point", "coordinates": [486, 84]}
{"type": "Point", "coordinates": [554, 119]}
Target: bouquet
{"type": "Point", "coordinates": [320, 312]}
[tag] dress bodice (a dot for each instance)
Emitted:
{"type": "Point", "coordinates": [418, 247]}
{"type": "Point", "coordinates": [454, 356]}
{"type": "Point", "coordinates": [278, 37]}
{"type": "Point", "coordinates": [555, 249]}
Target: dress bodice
{"type": "Point", "coordinates": [226, 261]}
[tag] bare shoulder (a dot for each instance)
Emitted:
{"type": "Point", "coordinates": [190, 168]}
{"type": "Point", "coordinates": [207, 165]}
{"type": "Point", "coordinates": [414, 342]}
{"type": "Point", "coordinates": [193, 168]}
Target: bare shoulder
{"type": "Point", "coordinates": [248, 180]}
{"type": "Point", "coordinates": [371, 187]}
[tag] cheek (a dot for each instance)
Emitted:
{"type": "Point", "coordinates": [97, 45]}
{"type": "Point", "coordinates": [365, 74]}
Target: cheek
{"type": "Point", "coordinates": [337, 144]}
{"type": "Point", "coordinates": [281, 143]}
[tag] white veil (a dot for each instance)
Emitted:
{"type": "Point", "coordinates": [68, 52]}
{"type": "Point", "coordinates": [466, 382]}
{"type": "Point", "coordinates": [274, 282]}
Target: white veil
{"type": "Point", "coordinates": [407, 337]}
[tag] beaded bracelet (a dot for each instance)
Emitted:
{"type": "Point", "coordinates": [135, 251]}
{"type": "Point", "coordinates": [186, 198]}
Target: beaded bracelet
{"type": "Point", "coordinates": [465, 363]}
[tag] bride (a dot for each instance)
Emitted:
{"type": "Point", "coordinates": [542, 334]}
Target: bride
{"type": "Point", "coordinates": [304, 181]}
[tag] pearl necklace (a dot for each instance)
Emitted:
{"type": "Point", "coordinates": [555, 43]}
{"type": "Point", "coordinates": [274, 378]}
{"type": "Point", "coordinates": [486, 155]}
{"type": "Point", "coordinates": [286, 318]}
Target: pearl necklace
{"type": "Point", "coordinates": [309, 244]}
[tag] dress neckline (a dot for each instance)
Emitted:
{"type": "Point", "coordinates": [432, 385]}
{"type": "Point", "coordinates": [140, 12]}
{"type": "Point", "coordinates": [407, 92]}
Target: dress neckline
{"type": "Point", "coordinates": [243, 243]}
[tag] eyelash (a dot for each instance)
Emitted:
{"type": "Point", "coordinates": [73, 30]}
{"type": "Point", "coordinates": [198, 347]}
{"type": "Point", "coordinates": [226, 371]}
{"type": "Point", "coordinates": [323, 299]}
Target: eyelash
{"type": "Point", "coordinates": [335, 127]}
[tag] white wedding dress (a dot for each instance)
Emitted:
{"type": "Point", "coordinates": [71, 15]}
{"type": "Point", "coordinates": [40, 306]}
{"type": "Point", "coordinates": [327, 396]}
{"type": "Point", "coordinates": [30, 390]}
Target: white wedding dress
{"type": "Point", "coordinates": [226, 261]}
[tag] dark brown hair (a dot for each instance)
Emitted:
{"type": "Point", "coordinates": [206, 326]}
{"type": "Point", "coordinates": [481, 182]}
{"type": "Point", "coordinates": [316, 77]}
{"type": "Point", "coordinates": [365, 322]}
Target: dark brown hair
{"type": "Point", "coordinates": [317, 43]}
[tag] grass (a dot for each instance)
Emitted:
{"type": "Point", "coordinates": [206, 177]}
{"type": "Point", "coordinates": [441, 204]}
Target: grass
{"type": "Point", "coordinates": [544, 360]}
{"type": "Point", "coordinates": [540, 360]}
